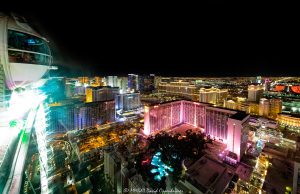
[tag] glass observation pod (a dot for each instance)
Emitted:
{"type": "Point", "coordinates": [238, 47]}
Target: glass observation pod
{"type": "Point", "coordinates": [24, 54]}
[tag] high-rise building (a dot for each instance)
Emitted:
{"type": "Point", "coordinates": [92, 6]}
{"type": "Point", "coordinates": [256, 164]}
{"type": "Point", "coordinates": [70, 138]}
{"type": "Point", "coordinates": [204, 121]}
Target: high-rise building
{"type": "Point", "coordinates": [122, 83]}
{"type": "Point", "coordinates": [128, 101]}
{"type": "Point", "coordinates": [112, 167]}
{"type": "Point", "coordinates": [179, 88]}
{"type": "Point", "coordinates": [207, 96]}
{"type": "Point", "coordinates": [170, 114]}
{"type": "Point", "coordinates": [96, 81]}
{"type": "Point", "coordinates": [253, 108]}
{"type": "Point", "coordinates": [213, 95]}
{"type": "Point", "coordinates": [258, 79]}
{"type": "Point", "coordinates": [230, 104]}
{"type": "Point", "coordinates": [141, 86]}
{"type": "Point", "coordinates": [264, 107]}
{"type": "Point", "coordinates": [267, 84]}
{"type": "Point", "coordinates": [89, 94]}
{"type": "Point", "coordinates": [146, 83]}
{"type": "Point", "coordinates": [157, 80]}
{"type": "Point", "coordinates": [242, 105]}
{"type": "Point", "coordinates": [80, 90]}
{"type": "Point", "coordinates": [112, 81]}
{"type": "Point", "coordinates": [90, 114]}
{"type": "Point", "coordinates": [83, 80]}
{"type": "Point", "coordinates": [296, 178]}
{"type": "Point", "coordinates": [236, 138]}
{"type": "Point", "coordinates": [215, 121]}
{"type": "Point", "coordinates": [70, 90]}
{"type": "Point", "coordinates": [77, 115]}
{"type": "Point", "coordinates": [255, 92]}
{"type": "Point", "coordinates": [101, 93]}
{"type": "Point", "coordinates": [133, 82]}
{"type": "Point", "coordinates": [61, 117]}
{"type": "Point", "coordinates": [275, 107]}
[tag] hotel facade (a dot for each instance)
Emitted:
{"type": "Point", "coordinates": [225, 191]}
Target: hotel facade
{"type": "Point", "coordinates": [222, 124]}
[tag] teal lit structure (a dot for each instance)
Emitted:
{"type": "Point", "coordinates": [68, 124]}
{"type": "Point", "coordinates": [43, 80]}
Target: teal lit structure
{"type": "Point", "coordinates": [161, 168]}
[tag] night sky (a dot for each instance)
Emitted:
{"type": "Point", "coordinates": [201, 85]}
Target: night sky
{"type": "Point", "coordinates": [213, 41]}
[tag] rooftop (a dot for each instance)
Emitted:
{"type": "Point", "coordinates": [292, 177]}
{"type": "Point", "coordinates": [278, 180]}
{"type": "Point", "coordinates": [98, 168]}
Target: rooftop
{"type": "Point", "coordinates": [185, 100]}
{"type": "Point", "coordinates": [101, 87]}
{"type": "Point", "coordinates": [239, 116]}
{"type": "Point", "coordinates": [290, 115]}
{"type": "Point", "coordinates": [209, 174]}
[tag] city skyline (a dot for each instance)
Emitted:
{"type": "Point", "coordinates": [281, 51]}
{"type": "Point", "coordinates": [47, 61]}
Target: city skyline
{"type": "Point", "coordinates": [118, 44]}
{"type": "Point", "coordinates": [102, 108]}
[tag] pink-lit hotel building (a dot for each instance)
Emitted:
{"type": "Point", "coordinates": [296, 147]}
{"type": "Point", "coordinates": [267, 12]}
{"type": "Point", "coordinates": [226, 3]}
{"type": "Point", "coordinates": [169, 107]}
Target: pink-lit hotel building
{"type": "Point", "coordinates": [223, 124]}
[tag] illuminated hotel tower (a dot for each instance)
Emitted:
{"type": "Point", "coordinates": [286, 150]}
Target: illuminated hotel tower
{"type": "Point", "coordinates": [264, 107]}
{"type": "Point", "coordinates": [101, 93]}
{"type": "Point", "coordinates": [133, 82]}
{"type": "Point", "coordinates": [255, 93]}
{"type": "Point", "coordinates": [168, 115]}
{"type": "Point", "coordinates": [96, 81]}
{"type": "Point", "coordinates": [122, 84]}
{"type": "Point", "coordinates": [83, 80]}
{"type": "Point", "coordinates": [275, 107]}
{"type": "Point", "coordinates": [216, 122]}
{"type": "Point", "coordinates": [212, 95]}
{"type": "Point", "coordinates": [128, 101]}
{"type": "Point", "coordinates": [180, 88]}
{"type": "Point", "coordinates": [111, 81]}
{"type": "Point", "coordinates": [236, 139]}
